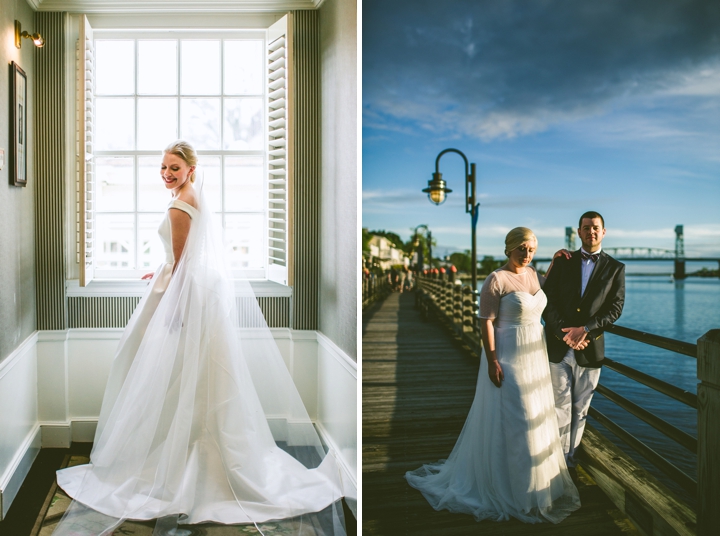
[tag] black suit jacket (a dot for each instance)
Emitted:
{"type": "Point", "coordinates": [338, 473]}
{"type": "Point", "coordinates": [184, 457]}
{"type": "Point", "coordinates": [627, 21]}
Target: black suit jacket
{"type": "Point", "coordinates": [600, 306]}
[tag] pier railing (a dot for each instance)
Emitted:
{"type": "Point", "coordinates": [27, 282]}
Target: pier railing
{"type": "Point", "coordinates": [374, 287]}
{"type": "Point", "coordinates": [650, 504]}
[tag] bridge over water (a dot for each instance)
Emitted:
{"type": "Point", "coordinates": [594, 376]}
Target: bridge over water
{"type": "Point", "coordinates": [644, 254]}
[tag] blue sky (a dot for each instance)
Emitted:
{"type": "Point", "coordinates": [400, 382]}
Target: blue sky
{"type": "Point", "coordinates": [565, 106]}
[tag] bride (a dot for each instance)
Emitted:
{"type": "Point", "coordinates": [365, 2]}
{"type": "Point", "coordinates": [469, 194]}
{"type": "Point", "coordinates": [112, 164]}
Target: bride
{"type": "Point", "coordinates": [200, 424]}
{"type": "Point", "coordinates": [508, 461]}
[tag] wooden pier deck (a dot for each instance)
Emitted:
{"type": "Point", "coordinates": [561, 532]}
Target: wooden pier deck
{"type": "Point", "coordinates": [418, 385]}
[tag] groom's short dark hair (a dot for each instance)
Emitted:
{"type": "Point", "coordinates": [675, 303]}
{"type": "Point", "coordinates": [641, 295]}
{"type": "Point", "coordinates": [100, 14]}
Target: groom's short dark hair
{"type": "Point", "coordinates": [591, 214]}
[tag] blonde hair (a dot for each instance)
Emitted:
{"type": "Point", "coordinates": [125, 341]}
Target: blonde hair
{"type": "Point", "coordinates": [185, 151]}
{"type": "Point", "coordinates": [518, 236]}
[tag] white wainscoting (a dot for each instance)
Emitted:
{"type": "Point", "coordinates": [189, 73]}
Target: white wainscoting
{"type": "Point", "coordinates": [337, 409]}
{"type": "Point", "coordinates": [19, 430]}
{"type": "Point", "coordinates": [55, 382]}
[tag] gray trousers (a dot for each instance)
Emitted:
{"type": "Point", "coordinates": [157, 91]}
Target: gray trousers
{"type": "Point", "coordinates": [573, 386]}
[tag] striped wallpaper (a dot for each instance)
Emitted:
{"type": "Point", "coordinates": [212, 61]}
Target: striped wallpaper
{"type": "Point", "coordinates": [116, 311]}
{"type": "Point", "coordinates": [306, 197]}
{"type": "Point", "coordinates": [50, 193]}
{"type": "Point", "coordinates": [100, 312]}
{"type": "Point", "coordinates": [55, 311]}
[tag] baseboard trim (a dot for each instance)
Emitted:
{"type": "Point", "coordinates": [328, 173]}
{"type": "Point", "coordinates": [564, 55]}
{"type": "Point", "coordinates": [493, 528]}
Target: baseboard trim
{"type": "Point", "coordinates": [55, 435]}
{"type": "Point", "coordinates": [348, 479]}
{"type": "Point", "coordinates": [62, 434]}
{"type": "Point", "coordinates": [18, 470]}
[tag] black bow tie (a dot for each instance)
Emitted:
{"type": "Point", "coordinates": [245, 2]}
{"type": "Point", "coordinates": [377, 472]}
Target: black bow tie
{"type": "Point", "coordinates": [589, 256]}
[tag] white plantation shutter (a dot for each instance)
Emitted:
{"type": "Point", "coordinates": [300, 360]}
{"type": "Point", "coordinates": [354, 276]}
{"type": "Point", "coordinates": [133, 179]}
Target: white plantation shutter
{"type": "Point", "coordinates": [280, 149]}
{"type": "Point", "coordinates": [85, 60]}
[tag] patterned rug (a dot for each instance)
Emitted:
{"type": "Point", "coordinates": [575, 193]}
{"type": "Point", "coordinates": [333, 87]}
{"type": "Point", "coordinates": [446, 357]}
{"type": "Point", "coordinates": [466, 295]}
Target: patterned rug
{"type": "Point", "coordinates": [57, 503]}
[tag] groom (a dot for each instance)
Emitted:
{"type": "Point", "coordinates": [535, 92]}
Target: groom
{"type": "Point", "coordinates": [585, 295]}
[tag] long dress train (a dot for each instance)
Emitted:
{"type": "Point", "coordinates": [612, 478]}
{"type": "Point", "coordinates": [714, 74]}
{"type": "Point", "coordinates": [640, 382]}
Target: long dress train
{"type": "Point", "coordinates": [507, 461]}
{"type": "Point", "coordinates": [200, 420]}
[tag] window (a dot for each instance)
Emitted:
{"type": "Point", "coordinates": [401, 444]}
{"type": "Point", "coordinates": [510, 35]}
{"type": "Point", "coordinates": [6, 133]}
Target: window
{"type": "Point", "coordinates": [218, 90]}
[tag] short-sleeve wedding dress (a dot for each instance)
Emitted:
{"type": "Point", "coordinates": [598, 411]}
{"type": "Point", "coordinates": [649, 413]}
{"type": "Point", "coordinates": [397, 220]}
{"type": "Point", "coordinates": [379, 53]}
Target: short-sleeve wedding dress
{"type": "Point", "coordinates": [200, 421]}
{"type": "Point", "coordinates": [508, 461]}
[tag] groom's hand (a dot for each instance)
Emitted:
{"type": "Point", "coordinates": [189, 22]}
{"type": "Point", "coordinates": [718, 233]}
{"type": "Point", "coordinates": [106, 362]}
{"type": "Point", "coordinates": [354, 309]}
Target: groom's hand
{"type": "Point", "coordinates": [583, 344]}
{"type": "Point", "coordinates": [575, 338]}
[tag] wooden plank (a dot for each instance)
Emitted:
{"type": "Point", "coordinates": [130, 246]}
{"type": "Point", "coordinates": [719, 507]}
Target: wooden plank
{"type": "Point", "coordinates": [709, 433]}
{"type": "Point", "coordinates": [633, 490]}
{"type": "Point", "coordinates": [418, 385]}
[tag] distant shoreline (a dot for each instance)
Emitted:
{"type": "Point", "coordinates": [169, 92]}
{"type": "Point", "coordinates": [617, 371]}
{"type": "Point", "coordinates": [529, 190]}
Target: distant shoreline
{"type": "Point", "coordinates": [708, 275]}
{"type": "Point", "coordinates": [669, 274]}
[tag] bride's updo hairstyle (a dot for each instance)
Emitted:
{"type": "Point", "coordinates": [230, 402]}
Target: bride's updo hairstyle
{"type": "Point", "coordinates": [185, 151]}
{"type": "Point", "coordinates": [518, 236]}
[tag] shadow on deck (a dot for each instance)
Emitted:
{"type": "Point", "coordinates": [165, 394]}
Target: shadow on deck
{"type": "Point", "coordinates": [418, 385]}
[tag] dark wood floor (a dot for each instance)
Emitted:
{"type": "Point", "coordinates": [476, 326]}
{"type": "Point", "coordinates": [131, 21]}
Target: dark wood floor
{"type": "Point", "coordinates": [418, 384]}
{"type": "Point", "coordinates": [32, 494]}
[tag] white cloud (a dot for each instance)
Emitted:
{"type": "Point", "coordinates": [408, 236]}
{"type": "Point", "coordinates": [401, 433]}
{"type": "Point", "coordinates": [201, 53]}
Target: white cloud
{"type": "Point", "coordinates": [703, 81]}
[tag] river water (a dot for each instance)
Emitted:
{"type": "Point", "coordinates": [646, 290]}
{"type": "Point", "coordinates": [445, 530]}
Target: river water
{"type": "Point", "coordinates": [683, 310]}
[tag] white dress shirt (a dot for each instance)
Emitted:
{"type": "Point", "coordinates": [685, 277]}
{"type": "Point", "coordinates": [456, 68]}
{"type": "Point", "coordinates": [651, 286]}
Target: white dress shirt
{"type": "Point", "coordinates": [587, 269]}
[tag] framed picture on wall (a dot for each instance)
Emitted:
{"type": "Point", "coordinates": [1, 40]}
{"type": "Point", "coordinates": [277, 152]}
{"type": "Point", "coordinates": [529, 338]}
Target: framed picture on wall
{"type": "Point", "coordinates": [18, 134]}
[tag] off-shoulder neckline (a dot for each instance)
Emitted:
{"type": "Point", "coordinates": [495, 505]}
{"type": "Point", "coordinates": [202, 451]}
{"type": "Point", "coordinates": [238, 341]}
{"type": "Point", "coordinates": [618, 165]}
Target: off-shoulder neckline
{"type": "Point", "coordinates": [172, 201]}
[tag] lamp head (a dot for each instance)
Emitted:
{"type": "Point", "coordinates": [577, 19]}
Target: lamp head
{"type": "Point", "coordinates": [36, 38]}
{"type": "Point", "coordinates": [436, 190]}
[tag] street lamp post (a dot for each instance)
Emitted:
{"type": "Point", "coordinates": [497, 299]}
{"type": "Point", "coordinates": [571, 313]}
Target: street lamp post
{"type": "Point", "coordinates": [437, 192]}
{"type": "Point", "coordinates": [429, 245]}
{"type": "Point", "coordinates": [428, 238]}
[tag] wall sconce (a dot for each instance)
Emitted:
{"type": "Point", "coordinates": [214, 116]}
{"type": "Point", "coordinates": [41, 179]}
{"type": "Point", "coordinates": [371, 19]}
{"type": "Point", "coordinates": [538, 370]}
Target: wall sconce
{"type": "Point", "coordinates": [37, 39]}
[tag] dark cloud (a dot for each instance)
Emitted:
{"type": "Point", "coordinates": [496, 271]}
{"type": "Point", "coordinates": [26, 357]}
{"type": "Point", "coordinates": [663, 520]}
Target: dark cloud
{"type": "Point", "coordinates": [506, 67]}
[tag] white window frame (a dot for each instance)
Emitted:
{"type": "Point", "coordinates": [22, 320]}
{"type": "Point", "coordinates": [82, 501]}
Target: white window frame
{"type": "Point", "coordinates": [276, 279]}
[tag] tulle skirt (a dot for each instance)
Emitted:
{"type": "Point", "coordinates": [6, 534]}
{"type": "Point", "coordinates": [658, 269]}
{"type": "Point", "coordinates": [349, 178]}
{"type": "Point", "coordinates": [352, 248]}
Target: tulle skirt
{"type": "Point", "coordinates": [508, 461]}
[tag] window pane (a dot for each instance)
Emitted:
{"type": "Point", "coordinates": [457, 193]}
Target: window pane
{"type": "Point", "coordinates": [114, 67]}
{"type": "Point", "coordinates": [157, 67]}
{"type": "Point", "coordinates": [114, 124]}
{"type": "Point", "coordinates": [243, 68]}
{"type": "Point", "coordinates": [114, 190]}
{"type": "Point", "coordinates": [150, 249]}
{"type": "Point", "coordinates": [244, 183]}
{"type": "Point", "coordinates": [198, 72]}
{"type": "Point", "coordinates": [244, 236]}
{"type": "Point", "coordinates": [115, 241]}
{"type": "Point", "coordinates": [217, 222]}
{"type": "Point", "coordinates": [243, 125]}
{"type": "Point", "coordinates": [200, 122]}
{"type": "Point", "coordinates": [152, 194]}
{"type": "Point", "coordinates": [157, 123]}
{"type": "Point", "coordinates": [208, 171]}
{"type": "Point", "coordinates": [200, 67]}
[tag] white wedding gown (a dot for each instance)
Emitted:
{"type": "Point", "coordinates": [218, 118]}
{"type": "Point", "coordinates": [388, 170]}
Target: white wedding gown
{"type": "Point", "coordinates": [508, 461]}
{"type": "Point", "coordinates": [200, 420]}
